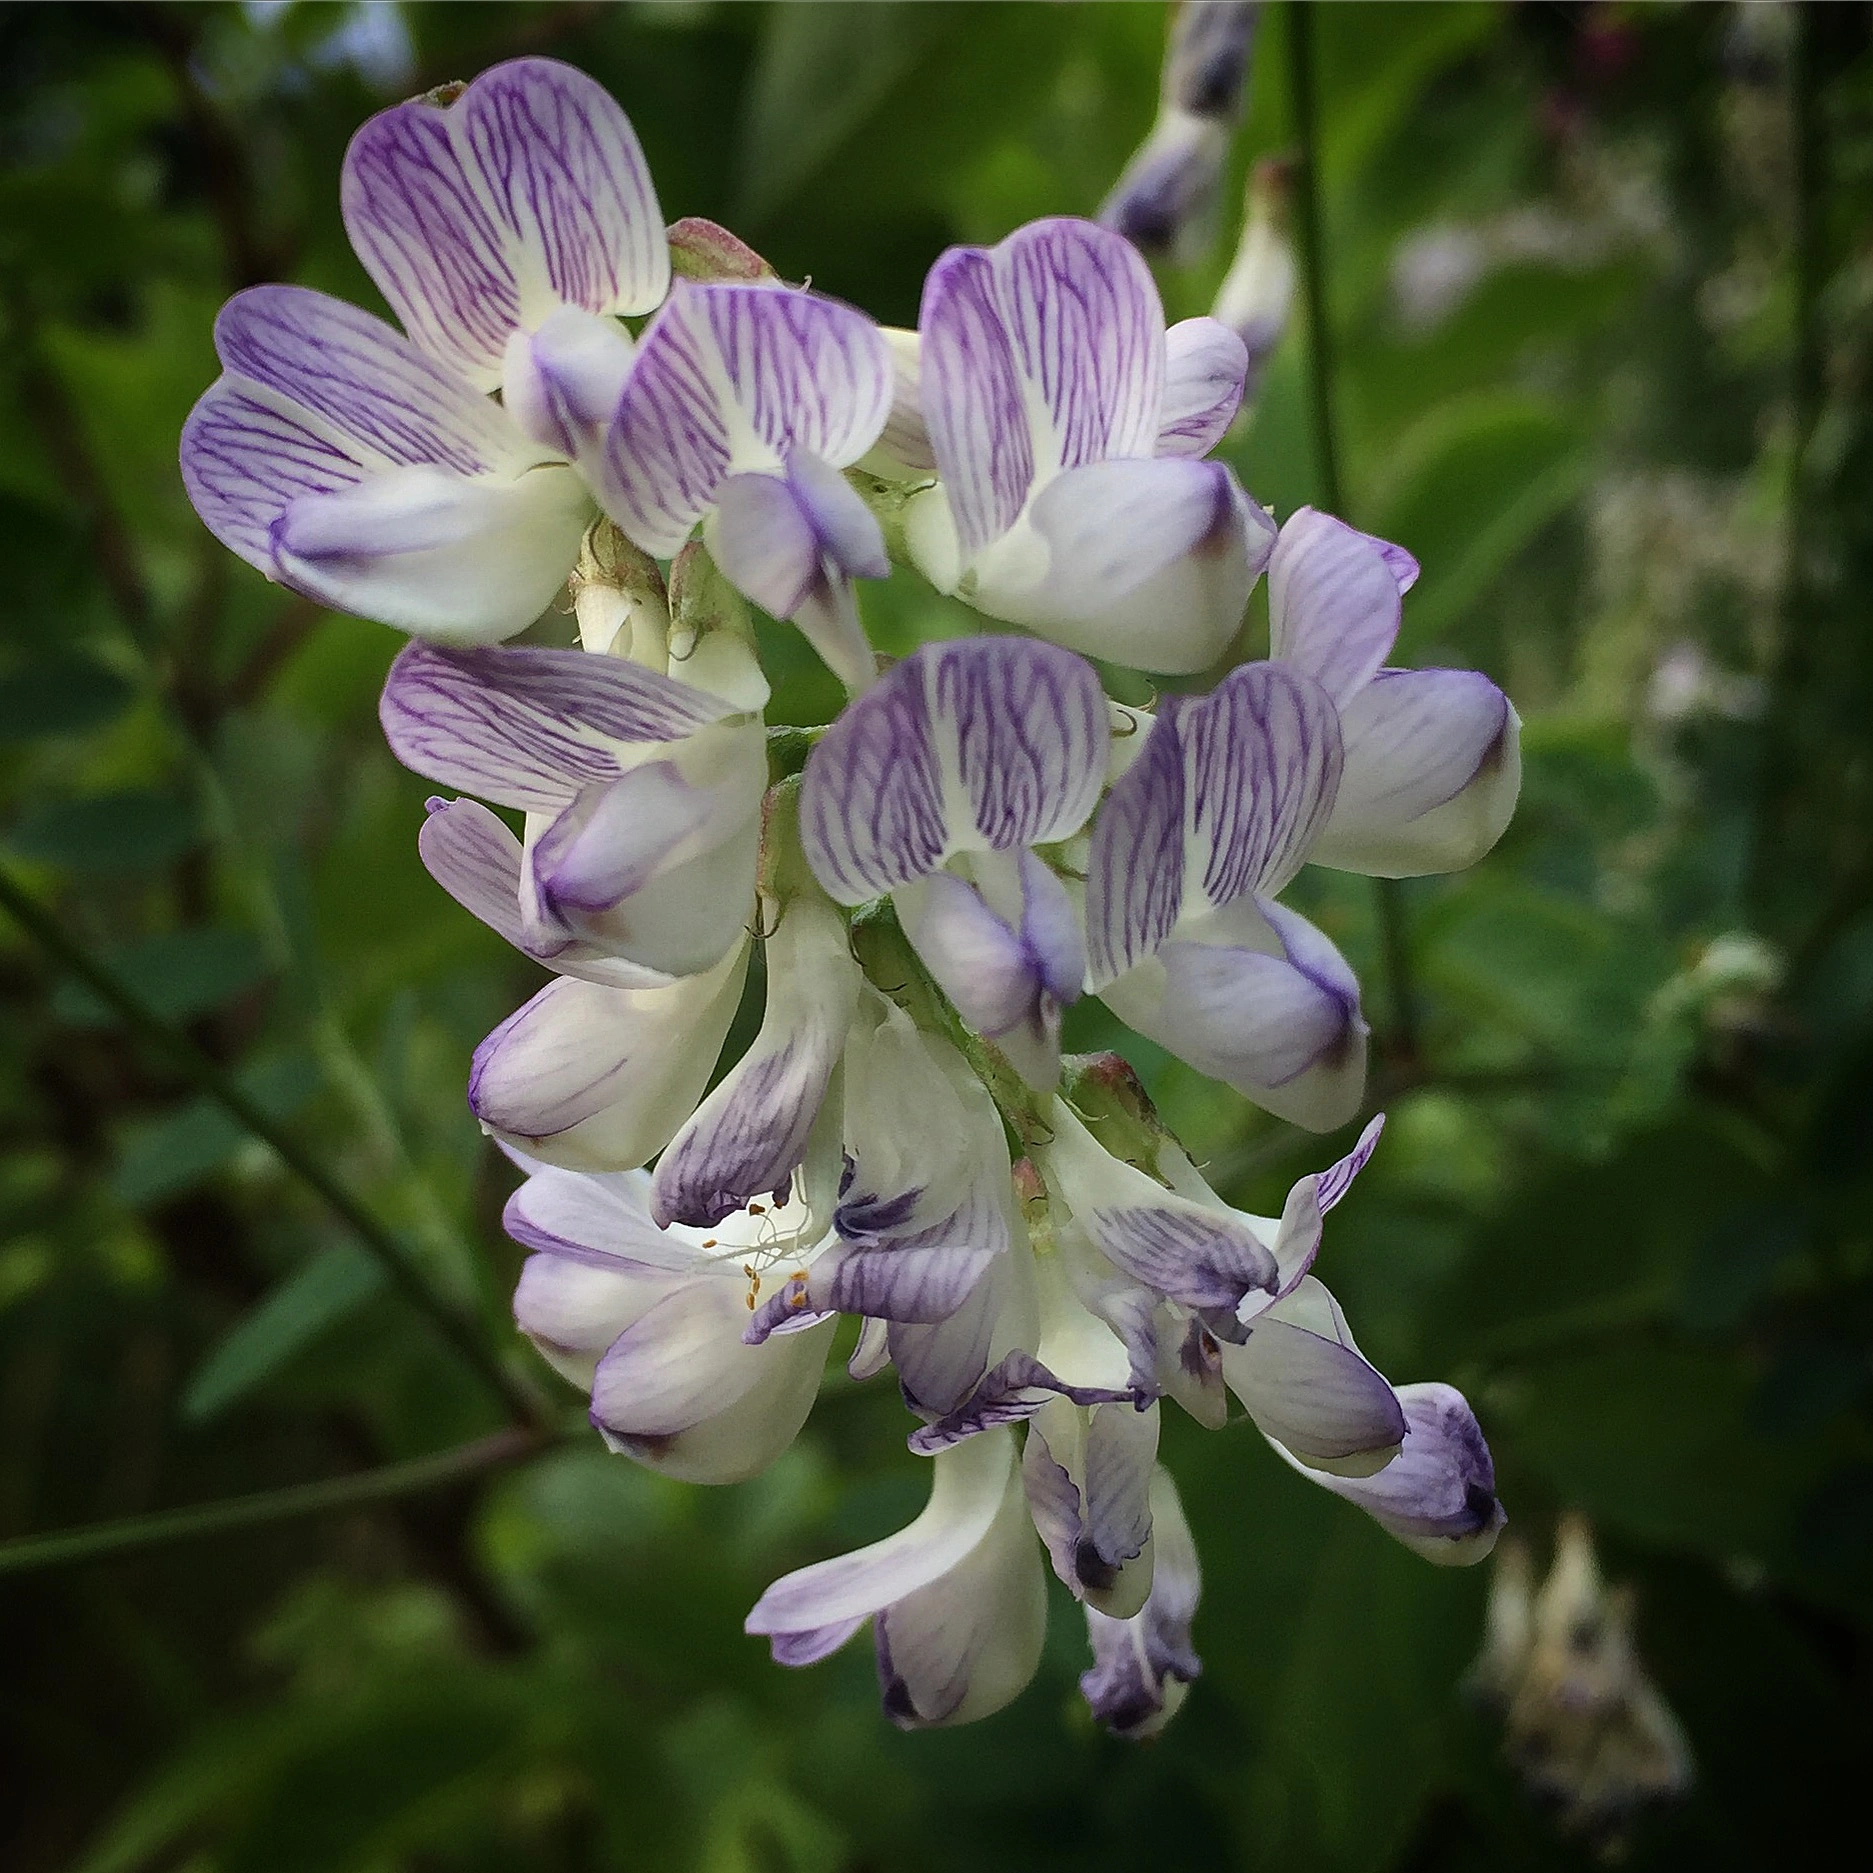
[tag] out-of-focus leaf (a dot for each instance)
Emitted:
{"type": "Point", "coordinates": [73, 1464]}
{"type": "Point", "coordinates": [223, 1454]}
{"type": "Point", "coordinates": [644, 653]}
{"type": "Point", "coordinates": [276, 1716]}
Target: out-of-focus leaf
{"type": "Point", "coordinates": [822, 69]}
{"type": "Point", "coordinates": [1469, 487]}
{"type": "Point", "coordinates": [171, 1154]}
{"type": "Point", "coordinates": [136, 830]}
{"type": "Point", "coordinates": [336, 1282]}
{"type": "Point", "coordinates": [65, 696]}
{"type": "Point", "coordinates": [179, 974]}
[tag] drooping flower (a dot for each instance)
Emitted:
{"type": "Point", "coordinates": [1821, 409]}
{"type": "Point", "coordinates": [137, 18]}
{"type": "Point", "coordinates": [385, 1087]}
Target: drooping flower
{"type": "Point", "coordinates": [1143, 1666]}
{"type": "Point", "coordinates": [1066, 423]}
{"type": "Point", "coordinates": [936, 787]}
{"type": "Point", "coordinates": [957, 1600]}
{"type": "Point", "coordinates": [1164, 202]}
{"type": "Point", "coordinates": [509, 228]}
{"type": "Point", "coordinates": [1431, 758]}
{"type": "Point", "coordinates": [649, 1320]}
{"type": "Point", "coordinates": [1257, 292]}
{"type": "Point", "coordinates": [744, 403]}
{"type": "Point", "coordinates": [1224, 801]}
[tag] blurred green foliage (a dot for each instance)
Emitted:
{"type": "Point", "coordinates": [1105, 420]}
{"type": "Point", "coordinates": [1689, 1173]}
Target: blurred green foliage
{"type": "Point", "coordinates": [1602, 280]}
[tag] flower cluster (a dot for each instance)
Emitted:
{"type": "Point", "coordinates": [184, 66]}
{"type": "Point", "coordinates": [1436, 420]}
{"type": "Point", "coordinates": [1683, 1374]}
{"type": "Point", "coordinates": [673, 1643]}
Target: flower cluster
{"type": "Point", "coordinates": [980, 839]}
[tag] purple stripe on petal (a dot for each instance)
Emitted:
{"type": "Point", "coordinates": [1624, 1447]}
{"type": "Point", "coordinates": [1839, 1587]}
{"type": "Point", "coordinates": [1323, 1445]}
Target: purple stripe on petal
{"type": "Point", "coordinates": [478, 218]}
{"type": "Point", "coordinates": [808, 1648]}
{"type": "Point", "coordinates": [1205, 366]}
{"type": "Point", "coordinates": [910, 1284]}
{"type": "Point", "coordinates": [1014, 1391]}
{"type": "Point", "coordinates": [528, 728]}
{"type": "Point", "coordinates": [1333, 602]}
{"type": "Point", "coordinates": [1188, 1253]}
{"type": "Point", "coordinates": [1135, 873]}
{"type": "Point", "coordinates": [1023, 727]}
{"type": "Point", "coordinates": [1334, 1182]}
{"type": "Point", "coordinates": [734, 379]}
{"type": "Point", "coordinates": [473, 856]}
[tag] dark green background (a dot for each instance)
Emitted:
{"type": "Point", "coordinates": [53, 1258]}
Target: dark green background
{"type": "Point", "coordinates": [1624, 1204]}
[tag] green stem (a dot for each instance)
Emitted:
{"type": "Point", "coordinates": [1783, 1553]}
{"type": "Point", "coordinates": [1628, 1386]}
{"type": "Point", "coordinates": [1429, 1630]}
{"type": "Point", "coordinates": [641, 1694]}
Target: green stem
{"type": "Point", "coordinates": [1394, 934]}
{"type": "Point", "coordinates": [457, 1328]}
{"type": "Point", "coordinates": [138, 1532]}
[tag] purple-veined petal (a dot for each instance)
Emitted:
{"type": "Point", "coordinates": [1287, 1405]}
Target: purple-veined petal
{"type": "Point", "coordinates": [561, 384]}
{"type": "Point", "coordinates": [477, 860]}
{"type": "Point", "coordinates": [572, 1310]}
{"type": "Point", "coordinates": [923, 1285]}
{"type": "Point", "coordinates": [1404, 567]}
{"type": "Point", "coordinates": [528, 728]}
{"type": "Point", "coordinates": [1012, 1392]}
{"type": "Point", "coordinates": [1142, 1665]}
{"type": "Point", "coordinates": [602, 1220]}
{"type": "Point", "coordinates": [750, 1134]}
{"type": "Point", "coordinates": [423, 550]}
{"type": "Point", "coordinates": [1226, 799]}
{"type": "Point", "coordinates": [1274, 1013]}
{"type": "Point", "coordinates": [979, 744]}
{"type": "Point", "coordinates": [1205, 365]}
{"type": "Point", "coordinates": [1438, 1495]}
{"type": "Point", "coordinates": [1433, 768]}
{"type": "Point", "coordinates": [480, 218]}
{"type": "Point", "coordinates": [969, 1642]}
{"type": "Point", "coordinates": [1142, 562]}
{"type": "Point", "coordinates": [597, 1078]}
{"type": "Point", "coordinates": [1333, 602]}
{"type": "Point", "coordinates": [733, 379]}
{"type": "Point", "coordinates": [1045, 352]}
{"type": "Point", "coordinates": [1298, 1235]}
{"type": "Point", "coordinates": [1087, 1475]}
{"type": "Point", "coordinates": [1307, 1386]}
{"type": "Point", "coordinates": [679, 1391]}
{"type": "Point", "coordinates": [940, 1363]}
{"type": "Point", "coordinates": [808, 1648]}
{"type": "Point", "coordinates": [978, 962]}
{"type": "Point", "coordinates": [967, 1488]}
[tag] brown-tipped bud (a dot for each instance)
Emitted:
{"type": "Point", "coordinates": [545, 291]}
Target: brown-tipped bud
{"type": "Point", "coordinates": [1112, 1100]}
{"type": "Point", "coordinates": [705, 250]}
{"type": "Point", "coordinates": [619, 598]}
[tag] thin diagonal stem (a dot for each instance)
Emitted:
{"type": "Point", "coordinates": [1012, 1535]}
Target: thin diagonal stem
{"type": "Point", "coordinates": [165, 1526]}
{"type": "Point", "coordinates": [1394, 937]}
{"type": "Point", "coordinates": [459, 1329]}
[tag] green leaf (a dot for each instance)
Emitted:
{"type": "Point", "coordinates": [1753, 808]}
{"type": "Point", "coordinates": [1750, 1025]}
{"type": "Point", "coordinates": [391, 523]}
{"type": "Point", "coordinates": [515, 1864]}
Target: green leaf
{"type": "Point", "coordinates": [330, 1287]}
{"type": "Point", "coordinates": [65, 696]}
{"type": "Point", "coordinates": [178, 973]}
{"type": "Point", "coordinates": [166, 1156]}
{"type": "Point", "coordinates": [136, 830]}
{"type": "Point", "coordinates": [1470, 487]}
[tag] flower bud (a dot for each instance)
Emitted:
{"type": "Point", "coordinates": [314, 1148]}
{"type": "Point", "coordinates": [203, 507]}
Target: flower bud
{"type": "Point", "coordinates": [619, 598]}
{"type": "Point", "coordinates": [1257, 292]}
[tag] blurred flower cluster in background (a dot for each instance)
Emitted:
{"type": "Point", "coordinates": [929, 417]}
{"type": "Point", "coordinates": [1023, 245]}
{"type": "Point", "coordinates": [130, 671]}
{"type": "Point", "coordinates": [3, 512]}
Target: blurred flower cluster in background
{"type": "Point", "coordinates": [1595, 283]}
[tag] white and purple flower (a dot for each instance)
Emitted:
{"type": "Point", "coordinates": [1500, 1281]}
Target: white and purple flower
{"type": "Point", "coordinates": [1066, 425]}
{"type": "Point", "coordinates": [936, 787]}
{"type": "Point", "coordinates": [509, 229]}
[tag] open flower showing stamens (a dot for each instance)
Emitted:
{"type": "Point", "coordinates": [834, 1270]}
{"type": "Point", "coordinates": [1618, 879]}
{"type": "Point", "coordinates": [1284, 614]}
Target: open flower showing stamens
{"type": "Point", "coordinates": [957, 1600]}
{"type": "Point", "coordinates": [1065, 422]}
{"type": "Point", "coordinates": [744, 403]}
{"type": "Point", "coordinates": [1223, 803]}
{"type": "Point", "coordinates": [508, 229]}
{"type": "Point", "coordinates": [649, 1321]}
{"type": "Point", "coordinates": [1431, 758]}
{"type": "Point", "coordinates": [934, 787]}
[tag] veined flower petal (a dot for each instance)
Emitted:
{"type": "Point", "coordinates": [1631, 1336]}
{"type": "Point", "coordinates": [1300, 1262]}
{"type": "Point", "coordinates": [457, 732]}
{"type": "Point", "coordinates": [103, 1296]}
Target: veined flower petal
{"type": "Point", "coordinates": [1205, 366]}
{"type": "Point", "coordinates": [1333, 602]}
{"type": "Point", "coordinates": [1226, 799]}
{"type": "Point", "coordinates": [1265, 1004]}
{"type": "Point", "coordinates": [1087, 1474]}
{"type": "Point", "coordinates": [1143, 1665]}
{"type": "Point", "coordinates": [482, 217]}
{"type": "Point", "coordinates": [599, 1079]}
{"type": "Point", "coordinates": [750, 1135]}
{"type": "Point", "coordinates": [1307, 1386]}
{"type": "Point", "coordinates": [1042, 353]}
{"type": "Point", "coordinates": [528, 728]}
{"type": "Point", "coordinates": [1438, 1495]}
{"type": "Point", "coordinates": [1433, 768]}
{"type": "Point", "coordinates": [975, 745]}
{"type": "Point", "coordinates": [732, 379]}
